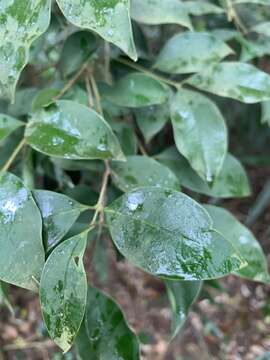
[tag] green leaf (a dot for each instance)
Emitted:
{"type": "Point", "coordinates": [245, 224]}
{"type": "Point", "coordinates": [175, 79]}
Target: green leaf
{"type": "Point", "coordinates": [199, 8]}
{"type": "Point", "coordinates": [64, 131]}
{"type": "Point", "coordinates": [44, 98]}
{"type": "Point", "coordinates": [262, 28]}
{"type": "Point", "coordinates": [22, 254]}
{"type": "Point", "coordinates": [155, 12]}
{"type": "Point", "coordinates": [58, 212]}
{"type": "Point", "coordinates": [202, 49]}
{"type": "Point", "coordinates": [182, 294]}
{"type": "Point", "coordinates": [253, 49]}
{"type": "Point", "coordinates": [63, 291]}
{"type": "Point", "coordinates": [234, 80]}
{"type": "Point", "coordinates": [259, 2]}
{"type": "Point", "coordinates": [105, 334]}
{"type": "Point", "coordinates": [126, 136]}
{"type": "Point", "coordinates": [4, 301]}
{"type": "Point", "coordinates": [137, 90]}
{"type": "Point", "coordinates": [23, 102]}
{"type": "Point", "coordinates": [266, 112]}
{"type": "Point", "coordinates": [139, 171]}
{"type": "Point", "coordinates": [110, 19]}
{"type": "Point", "coordinates": [168, 234]}
{"type": "Point", "coordinates": [7, 125]}
{"type": "Point", "coordinates": [232, 180]}
{"type": "Point", "coordinates": [21, 22]}
{"type": "Point", "coordinates": [200, 132]}
{"type": "Point", "coordinates": [244, 241]}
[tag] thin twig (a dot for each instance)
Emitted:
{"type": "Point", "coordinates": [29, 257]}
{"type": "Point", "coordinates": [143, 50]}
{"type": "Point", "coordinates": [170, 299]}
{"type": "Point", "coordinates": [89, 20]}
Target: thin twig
{"type": "Point", "coordinates": [233, 16]}
{"type": "Point", "coordinates": [23, 346]}
{"type": "Point", "coordinates": [97, 95]}
{"type": "Point", "coordinates": [89, 91]}
{"type": "Point", "coordinates": [141, 147]}
{"type": "Point", "coordinates": [14, 155]}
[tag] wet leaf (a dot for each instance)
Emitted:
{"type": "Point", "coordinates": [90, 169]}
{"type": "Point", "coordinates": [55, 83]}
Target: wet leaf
{"type": "Point", "coordinates": [266, 112]}
{"type": "Point", "coordinates": [21, 22]}
{"type": "Point", "coordinates": [232, 180]}
{"type": "Point", "coordinates": [110, 19]}
{"type": "Point", "coordinates": [168, 234]}
{"type": "Point", "coordinates": [22, 254]}
{"type": "Point", "coordinates": [63, 291]}
{"type": "Point", "coordinates": [234, 80]}
{"type": "Point", "coordinates": [155, 12]}
{"type": "Point", "coordinates": [198, 8]}
{"type": "Point", "coordinates": [137, 90]}
{"type": "Point", "coordinates": [7, 125]}
{"type": "Point", "coordinates": [64, 131]}
{"type": "Point", "coordinates": [126, 136]}
{"type": "Point", "coordinates": [200, 132]}
{"type": "Point", "coordinates": [139, 171]}
{"type": "Point", "coordinates": [58, 212]}
{"type": "Point", "coordinates": [244, 241]}
{"type": "Point", "coordinates": [105, 333]}
{"type": "Point", "coordinates": [182, 294]}
{"type": "Point", "coordinates": [201, 49]}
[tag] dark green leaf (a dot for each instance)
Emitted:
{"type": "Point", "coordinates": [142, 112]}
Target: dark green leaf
{"type": "Point", "coordinates": [22, 254]}
{"type": "Point", "coordinates": [63, 291]}
{"type": "Point", "coordinates": [7, 125]}
{"type": "Point", "coordinates": [4, 301]}
{"type": "Point", "coordinates": [126, 136]}
{"type": "Point", "coordinates": [44, 98]}
{"type": "Point", "coordinates": [168, 234]}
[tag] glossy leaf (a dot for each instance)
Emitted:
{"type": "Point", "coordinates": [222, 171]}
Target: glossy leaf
{"type": "Point", "coordinates": [137, 90]}
{"type": "Point", "coordinates": [22, 254]}
{"type": "Point", "coordinates": [244, 241]}
{"type": "Point", "coordinates": [110, 19]}
{"type": "Point", "coordinates": [266, 112]}
{"type": "Point", "coordinates": [58, 212]}
{"type": "Point", "coordinates": [105, 334]}
{"type": "Point", "coordinates": [200, 132]}
{"type": "Point", "coordinates": [154, 12]}
{"type": "Point", "coordinates": [7, 125]}
{"type": "Point", "coordinates": [232, 180]}
{"type": "Point", "coordinates": [139, 171]}
{"type": "Point", "coordinates": [21, 22]}
{"type": "Point", "coordinates": [199, 8]}
{"type": "Point", "coordinates": [168, 234]}
{"type": "Point", "coordinates": [182, 294]}
{"type": "Point", "coordinates": [63, 291]}
{"type": "Point", "coordinates": [234, 80]}
{"type": "Point", "coordinates": [63, 130]}
{"type": "Point", "coordinates": [201, 49]}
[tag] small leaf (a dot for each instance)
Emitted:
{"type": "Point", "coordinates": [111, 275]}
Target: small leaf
{"type": "Point", "coordinates": [266, 112]}
{"type": "Point", "coordinates": [137, 90]}
{"type": "Point", "coordinates": [155, 12]}
{"type": "Point", "coordinates": [72, 131]}
{"type": "Point", "coordinates": [182, 294]}
{"type": "Point", "coordinates": [243, 241]}
{"type": "Point", "coordinates": [262, 28]}
{"type": "Point", "coordinates": [105, 333]}
{"type": "Point", "coordinates": [44, 98]}
{"type": "Point", "coordinates": [7, 125]}
{"type": "Point", "coordinates": [232, 180]}
{"type": "Point", "coordinates": [22, 254]}
{"type": "Point", "coordinates": [63, 291]}
{"type": "Point", "coordinates": [234, 80]}
{"type": "Point", "coordinates": [139, 171]}
{"type": "Point", "coordinates": [21, 22]}
{"type": "Point", "coordinates": [201, 49]}
{"type": "Point", "coordinates": [126, 136]}
{"type": "Point", "coordinates": [168, 234]}
{"type": "Point", "coordinates": [110, 19]}
{"type": "Point", "coordinates": [58, 213]}
{"type": "Point", "coordinates": [200, 132]}
{"type": "Point", "coordinates": [197, 8]}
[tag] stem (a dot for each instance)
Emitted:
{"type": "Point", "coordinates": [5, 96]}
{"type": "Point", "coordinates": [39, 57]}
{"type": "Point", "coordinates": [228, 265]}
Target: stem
{"type": "Point", "coordinates": [97, 95]}
{"type": "Point", "coordinates": [14, 154]}
{"type": "Point", "coordinates": [233, 16]}
{"type": "Point", "coordinates": [23, 345]}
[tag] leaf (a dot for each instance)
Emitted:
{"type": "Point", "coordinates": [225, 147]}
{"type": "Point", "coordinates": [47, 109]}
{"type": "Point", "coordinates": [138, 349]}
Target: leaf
{"type": "Point", "coordinates": [64, 131]}
{"type": "Point", "coordinates": [44, 98]}
{"type": "Point", "coordinates": [253, 49]}
{"type": "Point", "coordinates": [202, 49]}
{"type": "Point", "coordinates": [126, 136]}
{"type": "Point", "coordinates": [23, 102]}
{"type": "Point", "coordinates": [155, 12]}
{"type": "Point", "coordinates": [259, 2]}
{"type": "Point", "coordinates": [137, 90]}
{"type": "Point", "coordinates": [196, 8]}
{"type": "Point", "coordinates": [22, 254]}
{"type": "Point", "coordinates": [169, 235]}
{"type": "Point", "coordinates": [234, 80]}
{"type": "Point", "coordinates": [200, 132]}
{"type": "Point", "coordinates": [182, 294]}
{"type": "Point", "coordinates": [63, 291]}
{"type": "Point", "coordinates": [105, 334]}
{"type": "Point", "coordinates": [232, 180]}
{"type": "Point", "coordinates": [266, 112]}
{"type": "Point", "coordinates": [59, 213]}
{"type": "Point", "coordinates": [4, 301]}
{"type": "Point", "coordinates": [139, 171]}
{"type": "Point", "coordinates": [21, 22]}
{"type": "Point", "coordinates": [110, 19]}
{"type": "Point", "coordinates": [243, 241]}
{"type": "Point", "coordinates": [7, 125]}
{"type": "Point", "coordinates": [262, 28]}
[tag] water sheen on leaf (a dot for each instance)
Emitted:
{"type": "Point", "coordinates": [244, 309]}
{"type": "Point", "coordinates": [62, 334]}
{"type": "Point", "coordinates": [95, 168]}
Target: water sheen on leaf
{"type": "Point", "coordinates": [7, 125]}
{"type": "Point", "coordinates": [72, 131]}
{"type": "Point", "coordinates": [63, 291]}
{"type": "Point", "coordinates": [22, 254]}
{"type": "Point", "coordinates": [168, 234]}
{"type": "Point", "coordinates": [105, 333]}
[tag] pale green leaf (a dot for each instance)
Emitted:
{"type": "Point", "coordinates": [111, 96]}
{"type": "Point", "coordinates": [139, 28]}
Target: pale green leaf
{"type": "Point", "coordinates": [262, 28]}
{"type": "Point", "coordinates": [198, 8]}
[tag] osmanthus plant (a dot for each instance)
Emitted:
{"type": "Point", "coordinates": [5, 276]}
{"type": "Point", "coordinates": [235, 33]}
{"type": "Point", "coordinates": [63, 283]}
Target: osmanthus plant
{"type": "Point", "coordinates": [86, 149]}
